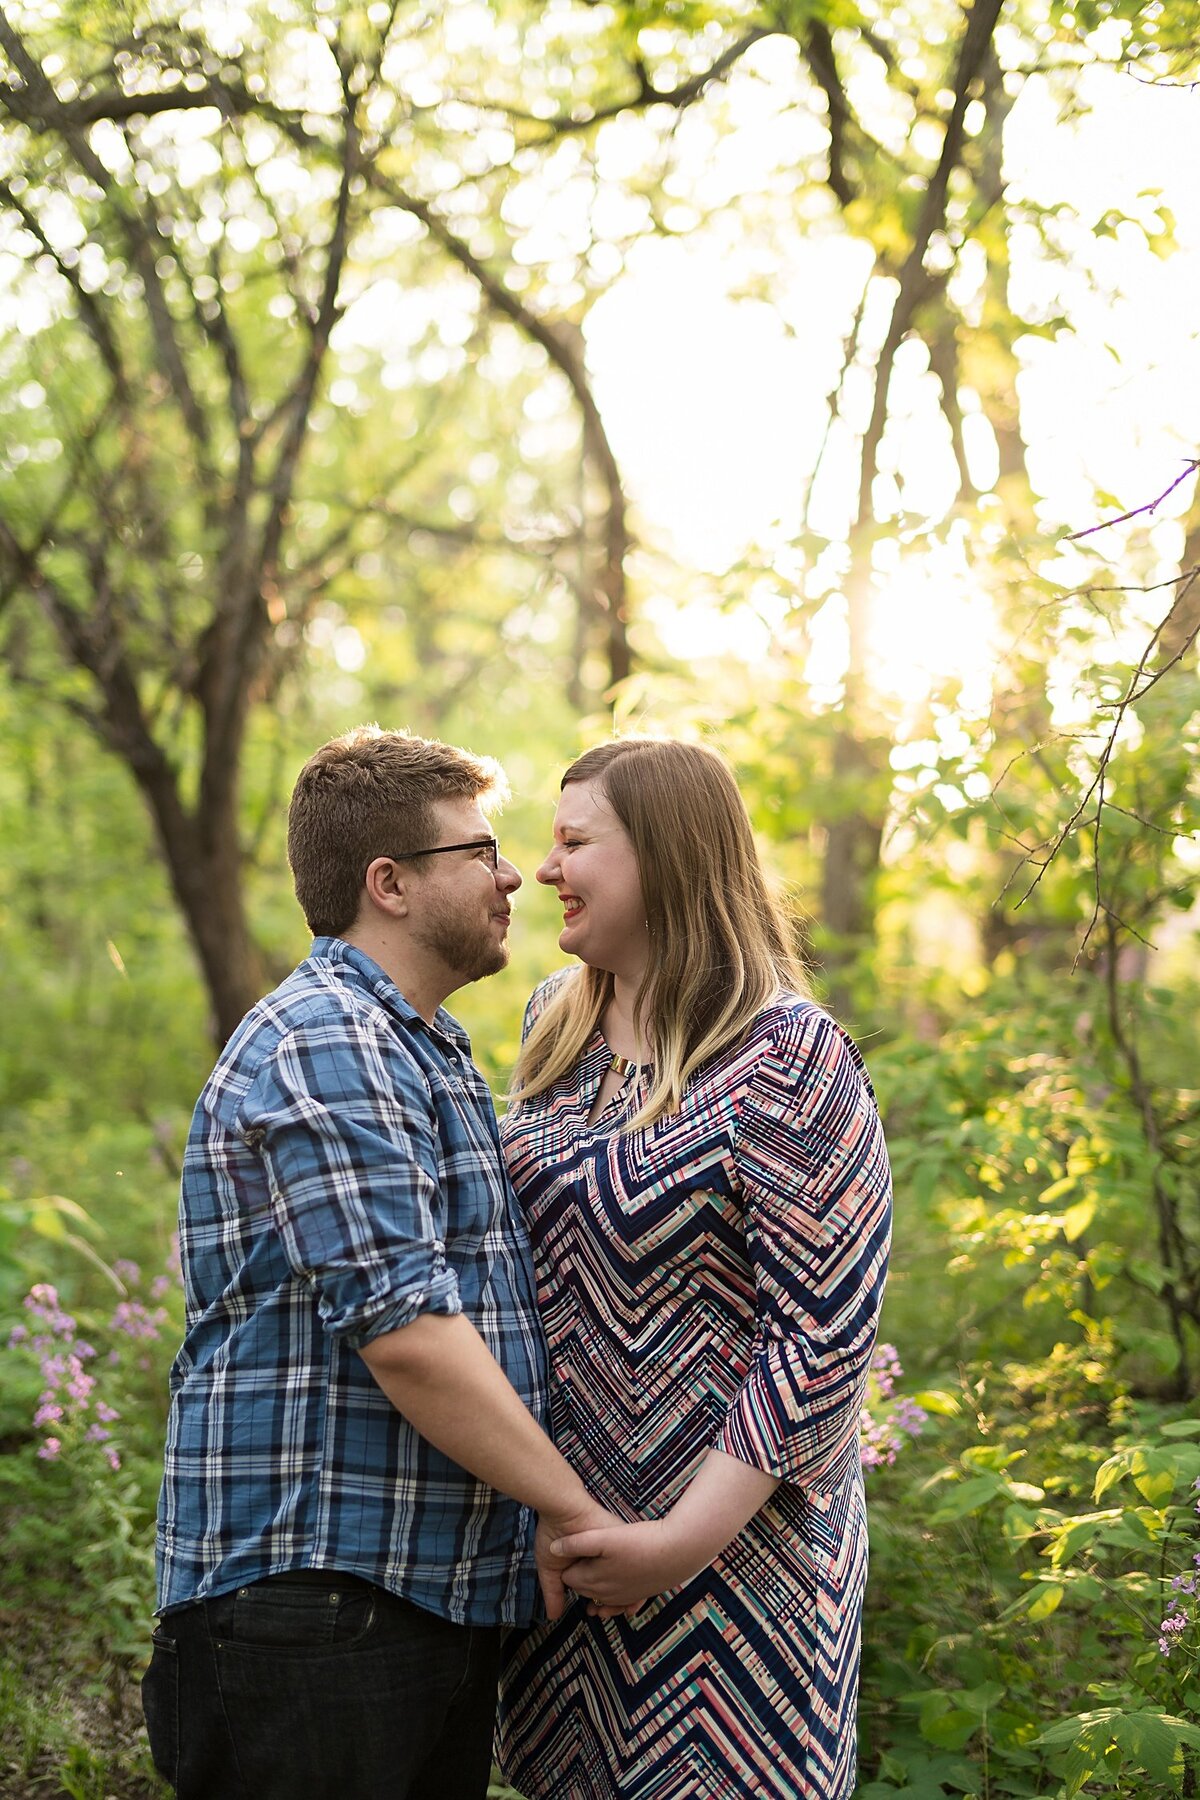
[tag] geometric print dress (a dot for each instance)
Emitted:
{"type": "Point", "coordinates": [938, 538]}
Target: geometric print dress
{"type": "Point", "coordinates": [711, 1280]}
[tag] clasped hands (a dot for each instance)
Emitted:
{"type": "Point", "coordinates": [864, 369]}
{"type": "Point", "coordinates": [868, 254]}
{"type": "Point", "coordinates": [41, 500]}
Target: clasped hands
{"type": "Point", "coordinates": [616, 1565]}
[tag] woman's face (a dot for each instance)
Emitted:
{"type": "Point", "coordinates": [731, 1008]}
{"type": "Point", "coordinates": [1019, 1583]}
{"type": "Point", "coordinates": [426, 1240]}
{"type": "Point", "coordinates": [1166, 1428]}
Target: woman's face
{"type": "Point", "coordinates": [594, 869]}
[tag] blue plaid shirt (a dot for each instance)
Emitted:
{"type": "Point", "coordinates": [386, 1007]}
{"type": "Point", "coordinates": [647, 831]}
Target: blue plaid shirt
{"type": "Point", "coordinates": [343, 1175]}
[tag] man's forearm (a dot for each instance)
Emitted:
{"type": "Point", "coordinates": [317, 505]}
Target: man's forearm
{"type": "Point", "coordinates": [441, 1375]}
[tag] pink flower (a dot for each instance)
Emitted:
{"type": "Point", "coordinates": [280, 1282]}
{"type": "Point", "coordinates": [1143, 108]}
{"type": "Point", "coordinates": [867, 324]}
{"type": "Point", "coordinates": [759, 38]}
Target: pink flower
{"type": "Point", "coordinates": [50, 1449]}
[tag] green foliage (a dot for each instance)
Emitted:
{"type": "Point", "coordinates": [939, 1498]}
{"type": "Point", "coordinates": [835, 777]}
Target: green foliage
{"type": "Point", "coordinates": [1028, 1558]}
{"type": "Point", "coordinates": [81, 1427]}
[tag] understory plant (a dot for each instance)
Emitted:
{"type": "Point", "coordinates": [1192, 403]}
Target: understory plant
{"type": "Point", "coordinates": [1033, 1627]}
{"type": "Point", "coordinates": [81, 1435]}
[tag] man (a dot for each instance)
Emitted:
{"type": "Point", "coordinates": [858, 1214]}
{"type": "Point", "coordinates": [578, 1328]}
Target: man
{"type": "Point", "coordinates": [353, 1453]}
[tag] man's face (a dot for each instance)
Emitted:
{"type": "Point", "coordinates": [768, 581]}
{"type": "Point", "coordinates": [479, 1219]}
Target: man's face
{"type": "Point", "coordinates": [460, 905]}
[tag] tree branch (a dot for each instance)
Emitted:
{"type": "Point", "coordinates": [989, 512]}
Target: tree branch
{"type": "Point", "coordinates": [567, 356]}
{"type": "Point", "coordinates": [119, 107]}
{"type": "Point", "coordinates": [914, 281]}
{"type": "Point", "coordinates": [817, 48]}
{"type": "Point", "coordinates": [90, 311]}
{"type": "Point", "coordinates": [647, 95]}
{"type": "Point", "coordinates": [1150, 506]}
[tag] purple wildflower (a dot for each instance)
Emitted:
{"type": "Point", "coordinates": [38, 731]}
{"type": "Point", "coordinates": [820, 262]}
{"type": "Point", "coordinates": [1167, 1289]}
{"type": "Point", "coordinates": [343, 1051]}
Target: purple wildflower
{"type": "Point", "coordinates": [137, 1321]}
{"type": "Point", "coordinates": [886, 1369]}
{"type": "Point", "coordinates": [1172, 1627]}
{"type": "Point", "coordinates": [883, 1438]}
{"type": "Point", "coordinates": [70, 1390]}
{"type": "Point", "coordinates": [909, 1416]}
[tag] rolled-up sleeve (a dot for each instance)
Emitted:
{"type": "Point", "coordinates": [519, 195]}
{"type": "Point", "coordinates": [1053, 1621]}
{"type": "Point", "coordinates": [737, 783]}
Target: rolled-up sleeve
{"type": "Point", "coordinates": [345, 1126]}
{"type": "Point", "coordinates": [816, 1188]}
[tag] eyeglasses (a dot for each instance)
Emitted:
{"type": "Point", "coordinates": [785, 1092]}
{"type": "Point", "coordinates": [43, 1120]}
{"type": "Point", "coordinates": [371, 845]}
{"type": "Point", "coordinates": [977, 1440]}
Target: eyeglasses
{"type": "Point", "coordinates": [488, 844]}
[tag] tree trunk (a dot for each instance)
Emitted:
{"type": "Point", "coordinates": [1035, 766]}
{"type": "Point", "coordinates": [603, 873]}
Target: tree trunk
{"type": "Point", "coordinates": [202, 852]}
{"type": "Point", "coordinates": [1183, 621]}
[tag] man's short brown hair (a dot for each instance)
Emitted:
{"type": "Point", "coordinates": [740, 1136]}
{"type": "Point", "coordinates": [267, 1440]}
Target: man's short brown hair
{"type": "Point", "coordinates": [371, 793]}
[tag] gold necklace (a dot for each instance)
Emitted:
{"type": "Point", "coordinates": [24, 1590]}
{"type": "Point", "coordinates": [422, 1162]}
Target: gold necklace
{"type": "Point", "coordinates": [621, 1065]}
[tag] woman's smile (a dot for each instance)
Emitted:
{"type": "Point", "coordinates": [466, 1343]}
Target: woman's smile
{"type": "Point", "coordinates": [607, 926]}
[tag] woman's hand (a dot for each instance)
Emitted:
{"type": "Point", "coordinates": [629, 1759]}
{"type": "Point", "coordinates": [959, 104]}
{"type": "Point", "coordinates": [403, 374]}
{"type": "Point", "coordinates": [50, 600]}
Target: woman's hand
{"type": "Point", "coordinates": [590, 1520]}
{"type": "Point", "coordinates": [619, 1567]}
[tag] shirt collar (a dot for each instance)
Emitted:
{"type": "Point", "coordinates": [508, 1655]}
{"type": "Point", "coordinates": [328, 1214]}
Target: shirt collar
{"type": "Point", "coordinates": [337, 950]}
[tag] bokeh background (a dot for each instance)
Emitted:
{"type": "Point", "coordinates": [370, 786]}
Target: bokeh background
{"type": "Point", "coordinates": [818, 379]}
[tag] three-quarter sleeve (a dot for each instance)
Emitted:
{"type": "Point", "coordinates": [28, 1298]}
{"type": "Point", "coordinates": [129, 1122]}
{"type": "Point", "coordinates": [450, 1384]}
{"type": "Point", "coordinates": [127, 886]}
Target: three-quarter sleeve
{"type": "Point", "coordinates": [347, 1136]}
{"type": "Point", "coordinates": [816, 1189]}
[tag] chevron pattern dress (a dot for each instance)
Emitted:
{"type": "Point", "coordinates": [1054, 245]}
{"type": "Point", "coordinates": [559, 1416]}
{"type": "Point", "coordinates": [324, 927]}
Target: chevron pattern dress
{"type": "Point", "coordinates": [713, 1280]}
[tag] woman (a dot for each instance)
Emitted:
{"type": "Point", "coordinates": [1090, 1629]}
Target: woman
{"type": "Point", "coordinates": [698, 1154]}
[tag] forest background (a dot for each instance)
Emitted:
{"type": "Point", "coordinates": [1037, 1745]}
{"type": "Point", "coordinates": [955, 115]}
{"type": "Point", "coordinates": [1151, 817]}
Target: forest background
{"type": "Point", "coordinates": [819, 379]}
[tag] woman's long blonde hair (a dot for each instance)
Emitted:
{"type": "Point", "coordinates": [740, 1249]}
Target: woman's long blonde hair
{"type": "Point", "coordinates": [720, 946]}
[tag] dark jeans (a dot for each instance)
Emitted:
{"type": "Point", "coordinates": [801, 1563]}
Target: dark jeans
{"type": "Point", "coordinates": [319, 1686]}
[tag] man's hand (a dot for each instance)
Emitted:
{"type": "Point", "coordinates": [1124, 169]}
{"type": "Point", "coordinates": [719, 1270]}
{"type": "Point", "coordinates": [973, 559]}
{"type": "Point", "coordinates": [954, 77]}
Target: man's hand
{"type": "Point", "coordinates": [550, 1564]}
{"type": "Point", "coordinates": [619, 1567]}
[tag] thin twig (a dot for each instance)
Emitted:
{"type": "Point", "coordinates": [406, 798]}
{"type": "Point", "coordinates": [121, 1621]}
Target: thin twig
{"type": "Point", "coordinates": [1150, 506]}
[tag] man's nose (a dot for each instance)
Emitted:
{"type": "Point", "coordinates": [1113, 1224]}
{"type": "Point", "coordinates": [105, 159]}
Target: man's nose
{"type": "Point", "coordinates": [508, 876]}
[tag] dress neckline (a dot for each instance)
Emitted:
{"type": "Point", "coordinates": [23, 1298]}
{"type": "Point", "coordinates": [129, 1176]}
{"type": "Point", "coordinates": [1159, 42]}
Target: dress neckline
{"type": "Point", "coordinates": [599, 1059]}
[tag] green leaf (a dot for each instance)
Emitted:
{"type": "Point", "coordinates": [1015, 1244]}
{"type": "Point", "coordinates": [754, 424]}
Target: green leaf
{"type": "Point", "coordinates": [1186, 1732]}
{"type": "Point", "coordinates": [968, 1497]}
{"type": "Point", "coordinates": [1083, 1759]}
{"type": "Point", "coordinates": [1046, 1602]}
{"type": "Point", "coordinates": [982, 1699]}
{"type": "Point", "coordinates": [48, 1224]}
{"type": "Point", "coordinates": [1154, 1475]}
{"type": "Point", "coordinates": [1077, 1533]}
{"type": "Point", "coordinates": [1150, 1741]}
{"type": "Point", "coordinates": [951, 1730]}
{"type": "Point", "coordinates": [947, 1406]}
{"type": "Point", "coordinates": [1077, 1218]}
{"type": "Point", "coordinates": [1110, 1472]}
{"type": "Point", "coordinates": [1181, 1428]}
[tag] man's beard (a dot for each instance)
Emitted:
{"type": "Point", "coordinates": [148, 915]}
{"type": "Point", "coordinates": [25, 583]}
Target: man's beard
{"type": "Point", "coordinates": [470, 949]}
